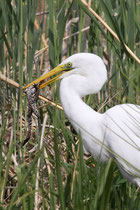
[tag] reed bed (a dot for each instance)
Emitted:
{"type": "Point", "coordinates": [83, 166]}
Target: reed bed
{"type": "Point", "coordinates": [52, 172]}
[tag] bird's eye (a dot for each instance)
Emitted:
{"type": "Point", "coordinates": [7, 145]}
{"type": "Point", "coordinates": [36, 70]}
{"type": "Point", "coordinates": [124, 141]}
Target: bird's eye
{"type": "Point", "coordinates": [68, 65]}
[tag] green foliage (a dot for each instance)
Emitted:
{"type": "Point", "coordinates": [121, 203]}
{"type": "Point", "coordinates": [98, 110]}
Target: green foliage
{"type": "Point", "coordinates": [67, 179]}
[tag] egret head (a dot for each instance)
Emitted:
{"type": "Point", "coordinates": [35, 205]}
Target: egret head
{"type": "Point", "coordinates": [88, 68]}
{"type": "Point", "coordinates": [84, 69]}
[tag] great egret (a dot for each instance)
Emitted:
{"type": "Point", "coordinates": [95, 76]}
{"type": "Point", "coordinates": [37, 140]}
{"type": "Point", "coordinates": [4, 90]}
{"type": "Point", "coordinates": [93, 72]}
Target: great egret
{"type": "Point", "coordinates": [116, 133]}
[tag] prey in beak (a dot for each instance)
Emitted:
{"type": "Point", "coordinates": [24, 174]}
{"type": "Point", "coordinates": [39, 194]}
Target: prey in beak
{"type": "Point", "coordinates": [31, 90]}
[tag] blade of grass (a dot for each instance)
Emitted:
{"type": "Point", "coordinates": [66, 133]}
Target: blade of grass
{"type": "Point", "coordinates": [52, 34]}
{"type": "Point", "coordinates": [58, 166]}
{"type": "Point", "coordinates": [104, 187]}
{"type": "Point", "coordinates": [7, 164]}
{"type": "Point", "coordinates": [20, 52]}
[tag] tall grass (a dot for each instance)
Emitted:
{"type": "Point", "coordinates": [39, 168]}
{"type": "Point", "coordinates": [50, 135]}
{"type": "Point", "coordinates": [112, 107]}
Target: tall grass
{"type": "Point", "coordinates": [31, 42]}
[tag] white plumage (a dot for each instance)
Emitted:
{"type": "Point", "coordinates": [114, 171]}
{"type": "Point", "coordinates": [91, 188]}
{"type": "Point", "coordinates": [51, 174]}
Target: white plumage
{"type": "Point", "coordinates": [116, 133]}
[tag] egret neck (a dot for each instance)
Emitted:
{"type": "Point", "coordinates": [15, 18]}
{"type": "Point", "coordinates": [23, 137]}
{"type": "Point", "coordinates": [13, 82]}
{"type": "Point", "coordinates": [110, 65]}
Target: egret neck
{"type": "Point", "coordinates": [81, 116]}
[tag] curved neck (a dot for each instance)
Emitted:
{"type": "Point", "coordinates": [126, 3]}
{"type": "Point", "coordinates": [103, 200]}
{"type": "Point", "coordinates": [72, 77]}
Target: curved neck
{"type": "Point", "coordinates": [77, 111]}
{"type": "Point", "coordinates": [86, 121]}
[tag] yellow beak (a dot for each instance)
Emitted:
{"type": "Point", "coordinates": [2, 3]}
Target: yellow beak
{"type": "Point", "coordinates": [54, 71]}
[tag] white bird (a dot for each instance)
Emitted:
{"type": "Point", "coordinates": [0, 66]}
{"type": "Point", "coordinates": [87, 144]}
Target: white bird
{"type": "Point", "coordinates": [115, 133]}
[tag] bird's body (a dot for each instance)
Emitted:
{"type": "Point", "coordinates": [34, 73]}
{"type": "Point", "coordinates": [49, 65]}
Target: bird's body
{"type": "Point", "coordinates": [116, 133]}
{"type": "Point", "coordinates": [123, 138]}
